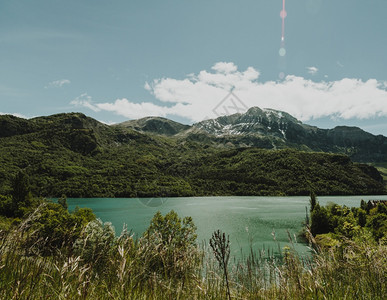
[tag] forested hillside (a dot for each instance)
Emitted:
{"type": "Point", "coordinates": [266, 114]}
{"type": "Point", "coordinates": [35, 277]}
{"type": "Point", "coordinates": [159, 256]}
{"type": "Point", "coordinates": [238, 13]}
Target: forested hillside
{"type": "Point", "coordinates": [78, 156]}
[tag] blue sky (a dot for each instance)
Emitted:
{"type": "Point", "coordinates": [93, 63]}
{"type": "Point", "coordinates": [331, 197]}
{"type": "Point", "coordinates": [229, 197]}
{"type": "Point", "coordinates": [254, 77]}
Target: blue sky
{"type": "Point", "coordinates": [119, 60]}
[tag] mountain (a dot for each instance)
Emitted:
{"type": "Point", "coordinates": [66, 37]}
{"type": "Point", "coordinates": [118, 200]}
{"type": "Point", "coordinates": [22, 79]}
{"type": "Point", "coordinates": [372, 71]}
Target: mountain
{"type": "Point", "coordinates": [255, 121]}
{"type": "Point", "coordinates": [272, 129]}
{"type": "Point", "coordinates": [75, 132]}
{"type": "Point", "coordinates": [155, 125]}
{"type": "Point", "coordinates": [78, 156]}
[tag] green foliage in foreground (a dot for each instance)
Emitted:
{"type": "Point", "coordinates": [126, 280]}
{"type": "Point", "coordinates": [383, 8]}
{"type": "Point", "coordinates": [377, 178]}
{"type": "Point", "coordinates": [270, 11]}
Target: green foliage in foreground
{"type": "Point", "coordinates": [331, 223]}
{"type": "Point", "coordinates": [49, 253]}
{"type": "Point", "coordinates": [166, 263]}
{"type": "Point", "coordinates": [77, 156]}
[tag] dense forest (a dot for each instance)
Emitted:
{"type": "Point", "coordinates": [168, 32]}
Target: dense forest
{"type": "Point", "coordinates": [78, 156]}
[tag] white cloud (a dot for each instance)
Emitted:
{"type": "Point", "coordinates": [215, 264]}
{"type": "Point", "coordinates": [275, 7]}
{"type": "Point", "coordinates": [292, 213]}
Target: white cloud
{"type": "Point", "coordinates": [197, 96]}
{"type": "Point", "coordinates": [121, 107]}
{"type": "Point", "coordinates": [57, 83]}
{"type": "Point", "coordinates": [132, 110]}
{"type": "Point", "coordinates": [224, 67]}
{"type": "Point", "coordinates": [147, 86]}
{"type": "Point", "coordinates": [84, 100]}
{"type": "Point", "coordinates": [312, 70]}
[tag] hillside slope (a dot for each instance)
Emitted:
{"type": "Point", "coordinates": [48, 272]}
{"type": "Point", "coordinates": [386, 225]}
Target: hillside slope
{"type": "Point", "coordinates": [273, 129]}
{"type": "Point", "coordinates": [78, 156]}
{"type": "Point", "coordinates": [155, 125]}
{"type": "Point", "coordinates": [270, 129]}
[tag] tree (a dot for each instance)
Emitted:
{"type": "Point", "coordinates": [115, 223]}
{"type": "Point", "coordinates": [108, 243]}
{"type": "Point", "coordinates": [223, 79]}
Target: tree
{"type": "Point", "coordinates": [55, 228]}
{"type": "Point", "coordinates": [63, 201]}
{"type": "Point", "coordinates": [170, 246]}
{"type": "Point", "coordinates": [181, 233]}
{"type": "Point", "coordinates": [369, 206]}
{"type": "Point", "coordinates": [377, 221]}
{"type": "Point", "coordinates": [6, 206]}
{"type": "Point", "coordinates": [96, 243]}
{"type": "Point", "coordinates": [21, 194]}
{"type": "Point", "coordinates": [320, 220]}
{"type": "Point", "coordinates": [313, 200]}
{"type": "Point", "coordinates": [363, 205]}
{"type": "Point", "coordinates": [362, 217]}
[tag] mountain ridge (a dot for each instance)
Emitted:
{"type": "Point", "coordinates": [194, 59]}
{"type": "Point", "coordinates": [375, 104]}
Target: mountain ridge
{"type": "Point", "coordinates": [78, 156]}
{"type": "Point", "coordinates": [263, 128]}
{"type": "Point", "coordinates": [273, 129]}
{"type": "Point", "coordinates": [153, 124]}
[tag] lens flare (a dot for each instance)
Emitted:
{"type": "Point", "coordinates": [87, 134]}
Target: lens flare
{"type": "Point", "coordinates": [282, 50]}
{"type": "Point", "coordinates": [283, 15]}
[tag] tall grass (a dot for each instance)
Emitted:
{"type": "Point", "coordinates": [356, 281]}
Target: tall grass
{"type": "Point", "coordinates": [125, 269]}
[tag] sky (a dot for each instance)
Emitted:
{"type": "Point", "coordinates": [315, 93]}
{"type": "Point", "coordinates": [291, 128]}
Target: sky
{"type": "Point", "coordinates": [192, 60]}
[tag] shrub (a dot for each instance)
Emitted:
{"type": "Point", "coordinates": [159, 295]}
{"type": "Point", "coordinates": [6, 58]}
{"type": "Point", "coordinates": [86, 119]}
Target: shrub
{"type": "Point", "coordinates": [95, 243]}
{"type": "Point", "coordinates": [169, 246]}
{"type": "Point", "coordinates": [55, 228]}
{"type": "Point", "coordinates": [319, 220]}
{"type": "Point", "coordinates": [6, 206]}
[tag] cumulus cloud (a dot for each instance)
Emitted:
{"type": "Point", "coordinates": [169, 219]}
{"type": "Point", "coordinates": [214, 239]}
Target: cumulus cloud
{"type": "Point", "coordinates": [206, 94]}
{"type": "Point", "coordinates": [131, 110]}
{"type": "Point", "coordinates": [84, 100]}
{"type": "Point", "coordinates": [312, 70]}
{"type": "Point", "coordinates": [224, 67]}
{"type": "Point", "coordinates": [58, 83]}
{"type": "Point", "coordinates": [122, 107]}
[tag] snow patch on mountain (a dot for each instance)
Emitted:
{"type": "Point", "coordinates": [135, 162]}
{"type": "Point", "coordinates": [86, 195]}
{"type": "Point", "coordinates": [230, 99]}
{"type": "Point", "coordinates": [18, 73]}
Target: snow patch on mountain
{"type": "Point", "coordinates": [254, 121]}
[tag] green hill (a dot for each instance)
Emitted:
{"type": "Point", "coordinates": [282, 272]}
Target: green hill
{"type": "Point", "coordinates": [78, 156]}
{"type": "Point", "coordinates": [157, 125]}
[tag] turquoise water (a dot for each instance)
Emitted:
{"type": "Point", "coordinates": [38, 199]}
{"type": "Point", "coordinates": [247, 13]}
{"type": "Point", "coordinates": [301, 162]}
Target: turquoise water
{"type": "Point", "coordinates": [248, 220]}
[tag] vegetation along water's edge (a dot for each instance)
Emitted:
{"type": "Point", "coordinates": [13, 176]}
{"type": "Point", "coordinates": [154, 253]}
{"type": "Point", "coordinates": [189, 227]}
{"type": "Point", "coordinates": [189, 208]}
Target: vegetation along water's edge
{"type": "Point", "coordinates": [47, 252]}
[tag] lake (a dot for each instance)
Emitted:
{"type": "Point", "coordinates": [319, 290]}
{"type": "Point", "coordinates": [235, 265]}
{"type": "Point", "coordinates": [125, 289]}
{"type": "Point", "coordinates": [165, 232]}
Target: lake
{"type": "Point", "coordinates": [248, 220]}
